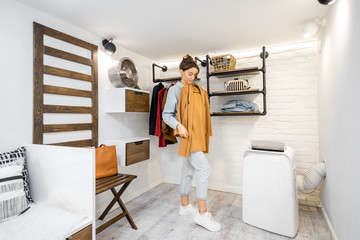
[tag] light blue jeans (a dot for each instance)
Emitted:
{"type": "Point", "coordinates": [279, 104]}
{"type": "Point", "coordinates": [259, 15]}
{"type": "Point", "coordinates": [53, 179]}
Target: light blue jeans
{"type": "Point", "coordinates": [196, 161]}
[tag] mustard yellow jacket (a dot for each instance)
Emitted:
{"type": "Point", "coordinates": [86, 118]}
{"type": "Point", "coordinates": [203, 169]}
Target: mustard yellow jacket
{"type": "Point", "coordinates": [194, 114]}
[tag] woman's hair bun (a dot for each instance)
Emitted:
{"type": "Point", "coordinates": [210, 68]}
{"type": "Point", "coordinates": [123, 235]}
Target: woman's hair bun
{"type": "Point", "coordinates": [187, 58]}
{"type": "Point", "coordinates": [187, 63]}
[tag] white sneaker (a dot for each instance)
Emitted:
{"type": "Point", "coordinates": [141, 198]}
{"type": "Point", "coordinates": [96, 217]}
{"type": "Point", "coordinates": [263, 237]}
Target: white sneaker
{"type": "Point", "coordinates": [187, 210]}
{"type": "Point", "coordinates": [207, 221]}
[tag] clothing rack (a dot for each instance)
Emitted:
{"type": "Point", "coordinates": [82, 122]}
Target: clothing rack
{"type": "Point", "coordinates": [173, 79]}
{"type": "Point", "coordinates": [164, 69]}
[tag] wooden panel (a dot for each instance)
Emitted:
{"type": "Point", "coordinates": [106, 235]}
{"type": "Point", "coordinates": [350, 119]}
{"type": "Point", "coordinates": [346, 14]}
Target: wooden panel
{"type": "Point", "coordinates": [65, 109]}
{"type": "Point", "coordinates": [84, 234]}
{"type": "Point", "coordinates": [67, 73]}
{"type": "Point", "coordinates": [66, 91]}
{"type": "Point", "coordinates": [137, 151]}
{"type": "Point", "coordinates": [66, 127]}
{"type": "Point", "coordinates": [81, 143]}
{"type": "Point", "coordinates": [136, 101]}
{"type": "Point", "coordinates": [38, 106]}
{"type": "Point", "coordinates": [94, 89]}
{"type": "Point", "coordinates": [67, 38]}
{"type": "Point", "coordinates": [39, 88]}
{"type": "Point", "coordinates": [67, 56]}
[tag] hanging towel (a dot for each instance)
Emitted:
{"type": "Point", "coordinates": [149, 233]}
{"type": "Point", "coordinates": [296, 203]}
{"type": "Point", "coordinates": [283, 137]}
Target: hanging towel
{"type": "Point", "coordinates": [153, 108]}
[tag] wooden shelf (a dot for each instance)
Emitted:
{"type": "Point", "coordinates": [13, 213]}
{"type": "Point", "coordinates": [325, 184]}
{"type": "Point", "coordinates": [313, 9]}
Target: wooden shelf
{"type": "Point", "coordinates": [239, 71]}
{"type": "Point", "coordinates": [224, 93]}
{"type": "Point", "coordinates": [235, 113]}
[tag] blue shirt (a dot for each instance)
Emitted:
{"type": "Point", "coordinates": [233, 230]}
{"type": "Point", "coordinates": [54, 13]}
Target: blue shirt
{"type": "Point", "coordinates": [169, 113]}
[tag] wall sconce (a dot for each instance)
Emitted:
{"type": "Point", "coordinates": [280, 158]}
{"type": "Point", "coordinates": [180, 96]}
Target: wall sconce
{"type": "Point", "coordinates": [312, 28]}
{"type": "Point", "coordinates": [110, 48]}
{"type": "Point", "coordinates": [326, 2]}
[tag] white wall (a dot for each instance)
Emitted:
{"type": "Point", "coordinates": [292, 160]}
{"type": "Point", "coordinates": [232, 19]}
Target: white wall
{"type": "Point", "coordinates": [121, 125]}
{"type": "Point", "coordinates": [16, 91]}
{"type": "Point", "coordinates": [339, 117]}
{"type": "Point", "coordinates": [292, 115]}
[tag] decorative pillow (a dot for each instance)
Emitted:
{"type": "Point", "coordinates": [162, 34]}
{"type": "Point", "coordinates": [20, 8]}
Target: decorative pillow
{"type": "Point", "coordinates": [12, 195]}
{"type": "Point", "coordinates": [17, 158]}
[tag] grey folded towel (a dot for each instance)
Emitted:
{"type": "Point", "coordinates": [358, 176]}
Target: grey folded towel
{"type": "Point", "coordinates": [239, 106]}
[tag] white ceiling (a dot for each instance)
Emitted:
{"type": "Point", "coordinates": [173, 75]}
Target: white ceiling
{"type": "Point", "coordinates": [165, 29]}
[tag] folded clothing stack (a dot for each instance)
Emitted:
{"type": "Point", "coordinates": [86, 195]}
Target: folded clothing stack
{"type": "Point", "coordinates": [239, 106]}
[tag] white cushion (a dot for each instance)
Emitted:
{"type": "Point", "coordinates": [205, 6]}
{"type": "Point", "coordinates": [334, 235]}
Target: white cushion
{"type": "Point", "coordinates": [12, 195]}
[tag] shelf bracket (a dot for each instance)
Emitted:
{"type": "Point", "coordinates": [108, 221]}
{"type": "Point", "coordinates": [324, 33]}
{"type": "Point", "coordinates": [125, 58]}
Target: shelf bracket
{"type": "Point", "coordinates": [163, 68]}
{"type": "Point", "coordinates": [203, 63]}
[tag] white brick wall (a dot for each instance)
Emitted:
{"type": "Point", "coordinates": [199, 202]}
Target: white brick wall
{"type": "Point", "coordinates": [292, 117]}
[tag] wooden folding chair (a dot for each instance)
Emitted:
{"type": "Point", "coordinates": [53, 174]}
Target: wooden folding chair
{"type": "Point", "coordinates": [109, 183]}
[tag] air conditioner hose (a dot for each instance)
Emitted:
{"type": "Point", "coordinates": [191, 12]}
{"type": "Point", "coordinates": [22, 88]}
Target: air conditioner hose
{"type": "Point", "coordinates": [312, 178]}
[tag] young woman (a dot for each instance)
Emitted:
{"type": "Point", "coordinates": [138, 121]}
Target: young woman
{"type": "Point", "coordinates": [196, 160]}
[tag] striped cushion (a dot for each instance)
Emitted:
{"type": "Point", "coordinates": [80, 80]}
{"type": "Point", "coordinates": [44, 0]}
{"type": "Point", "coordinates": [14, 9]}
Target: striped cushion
{"type": "Point", "coordinates": [12, 195]}
{"type": "Point", "coordinates": [18, 158]}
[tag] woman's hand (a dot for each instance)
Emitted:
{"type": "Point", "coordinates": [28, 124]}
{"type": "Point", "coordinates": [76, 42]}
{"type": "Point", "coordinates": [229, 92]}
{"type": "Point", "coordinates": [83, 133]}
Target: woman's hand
{"type": "Point", "coordinates": [182, 131]}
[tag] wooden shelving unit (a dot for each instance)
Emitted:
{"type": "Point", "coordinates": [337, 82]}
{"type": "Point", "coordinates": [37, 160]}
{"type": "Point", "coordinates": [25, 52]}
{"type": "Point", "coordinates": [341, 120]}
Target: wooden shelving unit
{"type": "Point", "coordinates": [239, 72]}
{"type": "Point", "coordinates": [226, 93]}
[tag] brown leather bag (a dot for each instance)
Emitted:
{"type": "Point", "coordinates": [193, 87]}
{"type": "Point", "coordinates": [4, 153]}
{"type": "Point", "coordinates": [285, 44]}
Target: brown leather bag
{"type": "Point", "coordinates": [106, 161]}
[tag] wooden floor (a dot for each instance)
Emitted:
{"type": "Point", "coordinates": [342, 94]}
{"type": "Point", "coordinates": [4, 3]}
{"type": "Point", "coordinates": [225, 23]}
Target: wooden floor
{"type": "Point", "coordinates": [156, 215]}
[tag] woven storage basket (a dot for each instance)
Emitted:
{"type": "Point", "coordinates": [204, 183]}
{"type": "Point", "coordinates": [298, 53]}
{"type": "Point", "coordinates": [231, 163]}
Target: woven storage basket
{"type": "Point", "coordinates": [223, 62]}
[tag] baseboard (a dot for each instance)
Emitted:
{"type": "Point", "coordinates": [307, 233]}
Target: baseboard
{"type": "Point", "coordinates": [224, 188]}
{"type": "Point", "coordinates": [332, 231]}
{"type": "Point", "coordinates": [172, 180]}
{"type": "Point", "coordinates": [221, 188]}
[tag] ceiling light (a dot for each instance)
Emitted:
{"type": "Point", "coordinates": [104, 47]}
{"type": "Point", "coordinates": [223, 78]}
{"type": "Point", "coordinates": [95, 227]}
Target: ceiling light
{"type": "Point", "coordinates": [110, 48]}
{"type": "Point", "coordinates": [312, 27]}
{"type": "Point", "coordinates": [326, 2]}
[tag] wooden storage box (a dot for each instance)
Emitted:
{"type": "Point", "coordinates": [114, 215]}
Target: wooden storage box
{"type": "Point", "coordinates": [131, 150]}
{"type": "Point", "coordinates": [126, 100]}
{"type": "Point", "coordinates": [84, 234]}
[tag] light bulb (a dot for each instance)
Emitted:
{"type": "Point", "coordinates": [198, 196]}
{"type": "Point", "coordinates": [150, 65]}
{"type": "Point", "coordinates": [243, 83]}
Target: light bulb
{"type": "Point", "coordinates": [310, 29]}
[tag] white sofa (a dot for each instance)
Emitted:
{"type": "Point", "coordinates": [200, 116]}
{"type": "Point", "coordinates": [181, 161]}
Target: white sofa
{"type": "Point", "coordinates": [62, 184]}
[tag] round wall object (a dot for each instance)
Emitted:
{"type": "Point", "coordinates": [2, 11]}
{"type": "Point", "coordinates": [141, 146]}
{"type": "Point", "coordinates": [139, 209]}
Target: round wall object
{"type": "Point", "coordinates": [123, 73]}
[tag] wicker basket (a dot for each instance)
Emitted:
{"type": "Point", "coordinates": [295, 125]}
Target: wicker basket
{"type": "Point", "coordinates": [223, 63]}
